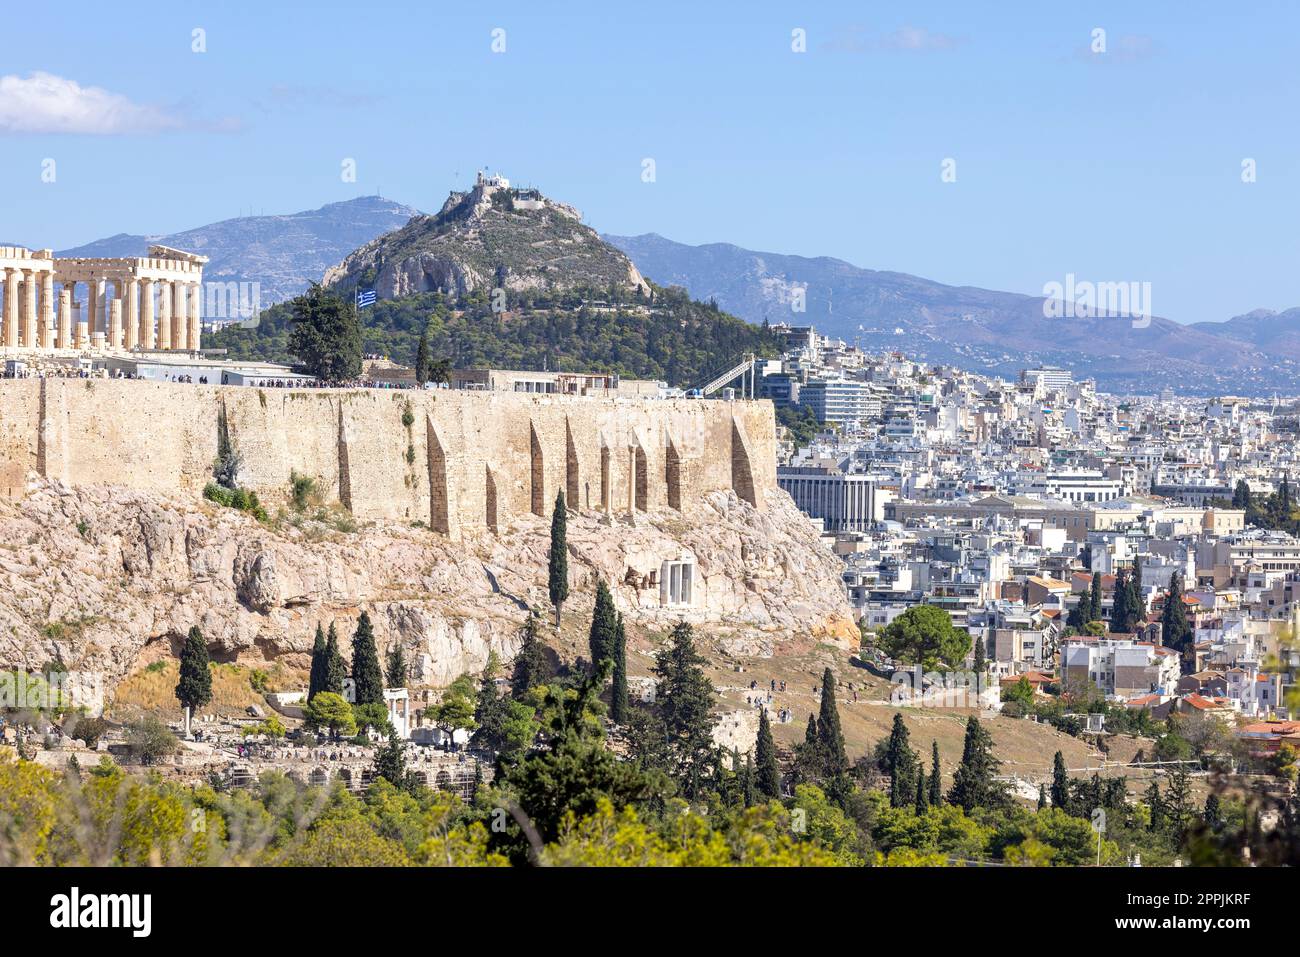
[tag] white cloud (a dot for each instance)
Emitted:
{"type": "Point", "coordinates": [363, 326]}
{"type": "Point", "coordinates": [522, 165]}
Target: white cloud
{"type": "Point", "coordinates": [45, 103]}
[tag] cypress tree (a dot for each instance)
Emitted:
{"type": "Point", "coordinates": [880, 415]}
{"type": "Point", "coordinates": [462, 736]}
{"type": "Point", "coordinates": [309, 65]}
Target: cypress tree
{"type": "Point", "coordinates": [398, 672]}
{"type": "Point", "coordinates": [1094, 598]}
{"type": "Point", "coordinates": [367, 678]}
{"type": "Point", "coordinates": [1042, 797]}
{"type": "Point", "coordinates": [981, 656]}
{"type": "Point", "coordinates": [1241, 495]}
{"type": "Point", "coordinates": [748, 783]}
{"type": "Point", "coordinates": [936, 780]}
{"type": "Point", "coordinates": [422, 358]}
{"type": "Point", "coordinates": [194, 689]}
{"type": "Point", "coordinates": [1173, 619]}
{"type": "Point", "coordinates": [319, 664]}
{"type": "Point", "coordinates": [604, 622]}
{"type": "Point", "coordinates": [973, 784]}
{"type": "Point", "coordinates": [920, 802]}
{"type": "Point", "coordinates": [1119, 603]}
{"type": "Point", "coordinates": [336, 671]}
{"type": "Point", "coordinates": [618, 695]}
{"type": "Point", "coordinates": [900, 762]}
{"type": "Point", "coordinates": [1157, 805]}
{"type": "Point", "coordinates": [768, 780]}
{"type": "Point", "coordinates": [829, 734]}
{"type": "Point", "coordinates": [1060, 783]}
{"type": "Point", "coordinates": [1137, 597]}
{"type": "Point", "coordinates": [558, 559]}
{"type": "Point", "coordinates": [1213, 814]}
{"type": "Point", "coordinates": [530, 669]}
{"type": "Point", "coordinates": [390, 763]}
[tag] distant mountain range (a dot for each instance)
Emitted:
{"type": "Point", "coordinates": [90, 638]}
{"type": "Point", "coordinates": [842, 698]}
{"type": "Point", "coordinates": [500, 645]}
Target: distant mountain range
{"type": "Point", "coordinates": [400, 250]}
{"type": "Point", "coordinates": [281, 253]}
{"type": "Point", "coordinates": [978, 329]}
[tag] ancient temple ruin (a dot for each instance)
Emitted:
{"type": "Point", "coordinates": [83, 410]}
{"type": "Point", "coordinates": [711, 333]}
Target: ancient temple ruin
{"type": "Point", "coordinates": [104, 305]}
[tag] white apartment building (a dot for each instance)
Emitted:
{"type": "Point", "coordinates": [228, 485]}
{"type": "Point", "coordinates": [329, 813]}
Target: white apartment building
{"type": "Point", "coordinates": [1119, 667]}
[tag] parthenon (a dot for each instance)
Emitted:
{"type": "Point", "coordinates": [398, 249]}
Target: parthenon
{"type": "Point", "coordinates": [146, 303]}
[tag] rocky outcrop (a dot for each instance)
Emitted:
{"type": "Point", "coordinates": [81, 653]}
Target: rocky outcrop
{"type": "Point", "coordinates": [485, 238]}
{"type": "Point", "coordinates": [107, 579]}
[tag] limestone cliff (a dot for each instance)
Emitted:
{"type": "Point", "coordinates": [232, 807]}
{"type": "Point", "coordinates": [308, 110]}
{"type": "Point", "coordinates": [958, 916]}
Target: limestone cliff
{"type": "Point", "coordinates": [492, 236]}
{"type": "Point", "coordinates": [106, 579]}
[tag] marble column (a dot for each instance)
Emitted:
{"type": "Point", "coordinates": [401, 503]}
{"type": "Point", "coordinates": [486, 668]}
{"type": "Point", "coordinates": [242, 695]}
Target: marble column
{"type": "Point", "coordinates": [64, 339]}
{"type": "Point", "coordinates": [115, 322]}
{"type": "Point", "coordinates": [131, 292]}
{"type": "Point", "coordinates": [180, 329]}
{"type": "Point", "coordinates": [29, 309]}
{"type": "Point", "coordinates": [196, 323]}
{"type": "Point", "coordinates": [11, 308]}
{"type": "Point", "coordinates": [147, 338]}
{"type": "Point", "coordinates": [47, 310]}
{"type": "Point", "coordinates": [92, 304]}
{"type": "Point", "coordinates": [164, 314]}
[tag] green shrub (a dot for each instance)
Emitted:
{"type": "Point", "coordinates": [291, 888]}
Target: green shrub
{"type": "Point", "coordinates": [217, 493]}
{"type": "Point", "coordinates": [302, 490]}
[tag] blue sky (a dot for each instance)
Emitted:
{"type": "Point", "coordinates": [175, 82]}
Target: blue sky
{"type": "Point", "coordinates": [1116, 166]}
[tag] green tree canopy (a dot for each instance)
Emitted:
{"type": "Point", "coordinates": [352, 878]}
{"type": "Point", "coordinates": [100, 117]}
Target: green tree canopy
{"type": "Point", "coordinates": [924, 635]}
{"type": "Point", "coordinates": [326, 337]}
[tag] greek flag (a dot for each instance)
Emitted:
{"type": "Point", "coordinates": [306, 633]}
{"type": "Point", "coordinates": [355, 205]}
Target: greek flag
{"type": "Point", "coordinates": [365, 297]}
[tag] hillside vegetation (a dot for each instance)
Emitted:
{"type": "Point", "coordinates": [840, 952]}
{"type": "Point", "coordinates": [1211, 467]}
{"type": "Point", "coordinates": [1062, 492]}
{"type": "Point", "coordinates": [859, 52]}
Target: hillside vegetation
{"type": "Point", "coordinates": [665, 335]}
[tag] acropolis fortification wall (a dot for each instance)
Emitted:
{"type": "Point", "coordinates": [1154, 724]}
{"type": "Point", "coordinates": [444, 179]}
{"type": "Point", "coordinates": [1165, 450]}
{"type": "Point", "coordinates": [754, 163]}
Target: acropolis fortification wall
{"type": "Point", "coordinates": [453, 460]}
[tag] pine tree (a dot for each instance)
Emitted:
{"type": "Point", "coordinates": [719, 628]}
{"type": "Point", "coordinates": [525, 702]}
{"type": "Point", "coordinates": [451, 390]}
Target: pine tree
{"type": "Point", "coordinates": [618, 693]}
{"type": "Point", "coordinates": [684, 705]}
{"type": "Point", "coordinates": [829, 734]}
{"type": "Point", "coordinates": [531, 668]}
{"type": "Point", "coordinates": [973, 784]}
{"type": "Point", "coordinates": [336, 670]}
{"type": "Point", "coordinates": [558, 560]}
{"type": "Point", "coordinates": [490, 709]}
{"type": "Point", "coordinates": [768, 780]}
{"type": "Point", "coordinates": [194, 689]}
{"type": "Point", "coordinates": [1178, 803]}
{"type": "Point", "coordinates": [1060, 783]}
{"type": "Point", "coordinates": [1094, 598]}
{"type": "Point", "coordinates": [367, 678]}
{"type": "Point", "coordinates": [604, 622]}
{"type": "Point", "coordinates": [398, 672]}
{"type": "Point", "coordinates": [319, 664]}
{"type": "Point", "coordinates": [936, 779]}
{"type": "Point", "coordinates": [1077, 618]}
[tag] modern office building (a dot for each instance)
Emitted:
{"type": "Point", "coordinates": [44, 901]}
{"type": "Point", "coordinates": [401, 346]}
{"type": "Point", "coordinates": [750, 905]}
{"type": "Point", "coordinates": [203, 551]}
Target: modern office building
{"type": "Point", "coordinates": [844, 501]}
